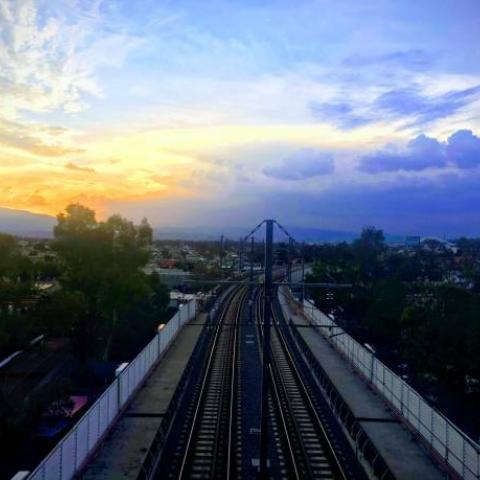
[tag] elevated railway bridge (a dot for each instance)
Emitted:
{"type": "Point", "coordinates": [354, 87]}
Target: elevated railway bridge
{"type": "Point", "coordinates": [262, 385]}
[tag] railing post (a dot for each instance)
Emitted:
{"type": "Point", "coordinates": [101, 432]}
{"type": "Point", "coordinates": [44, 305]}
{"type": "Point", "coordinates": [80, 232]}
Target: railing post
{"type": "Point", "coordinates": [401, 397]}
{"type": "Point", "coordinates": [419, 410]}
{"type": "Point", "coordinates": [432, 436]}
{"type": "Point", "coordinates": [60, 463]}
{"type": "Point", "coordinates": [372, 368]}
{"type": "Point", "coordinates": [108, 405]}
{"type": "Point", "coordinates": [478, 464]}
{"type": "Point", "coordinates": [98, 424]}
{"type": "Point", "coordinates": [75, 465]}
{"type": "Point", "coordinates": [119, 401]}
{"type": "Point", "coordinates": [446, 441]}
{"type": "Point", "coordinates": [87, 450]}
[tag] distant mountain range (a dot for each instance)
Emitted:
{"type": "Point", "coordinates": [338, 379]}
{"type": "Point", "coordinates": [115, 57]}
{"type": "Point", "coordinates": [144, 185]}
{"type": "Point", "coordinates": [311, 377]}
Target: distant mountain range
{"type": "Point", "coordinates": [234, 233]}
{"type": "Point", "coordinates": [27, 224]}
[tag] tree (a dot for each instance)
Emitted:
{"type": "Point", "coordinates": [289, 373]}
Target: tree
{"type": "Point", "coordinates": [8, 250]}
{"type": "Point", "coordinates": [15, 267]}
{"type": "Point", "coordinates": [367, 250]}
{"type": "Point", "coordinates": [103, 261]}
{"type": "Point", "coordinates": [139, 319]}
{"type": "Point", "coordinates": [16, 284]}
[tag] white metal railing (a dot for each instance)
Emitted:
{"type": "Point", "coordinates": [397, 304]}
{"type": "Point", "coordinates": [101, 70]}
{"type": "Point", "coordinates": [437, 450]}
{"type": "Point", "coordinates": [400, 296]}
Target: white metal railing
{"type": "Point", "coordinates": [71, 453]}
{"type": "Point", "coordinates": [455, 447]}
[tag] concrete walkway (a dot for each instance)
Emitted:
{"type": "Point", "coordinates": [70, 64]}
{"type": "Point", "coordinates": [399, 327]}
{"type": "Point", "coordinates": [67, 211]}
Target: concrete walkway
{"type": "Point", "coordinates": [121, 455]}
{"type": "Point", "coordinates": [406, 459]}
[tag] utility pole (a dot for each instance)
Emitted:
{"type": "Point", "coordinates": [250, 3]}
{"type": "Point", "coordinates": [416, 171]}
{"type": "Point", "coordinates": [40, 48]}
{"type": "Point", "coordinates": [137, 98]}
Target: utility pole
{"type": "Point", "coordinates": [289, 260]}
{"type": "Point", "coordinates": [252, 245]}
{"type": "Point", "coordinates": [263, 259]}
{"type": "Point", "coordinates": [302, 298]}
{"type": "Point", "coordinates": [240, 256]}
{"type": "Point", "coordinates": [263, 473]}
{"type": "Point", "coordinates": [221, 254]}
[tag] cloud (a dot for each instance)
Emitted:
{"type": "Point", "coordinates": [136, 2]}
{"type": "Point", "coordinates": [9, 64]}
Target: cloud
{"type": "Point", "coordinates": [340, 113]}
{"type": "Point", "coordinates": [407, 104]}
{"type": "Point", "coordinates": [420, 153]}
{"type": "Point", "coordinates": [78, 168]}
{"type": "Point", "coordinates": [49, 55]}
{"type": "Point", "coordinates": [36, 201]}
{"type": "Point", "coordinates": [410, 102]}
{"type": "Point", "coordinates": [462, 150]}
{"type": "Point", "coordinates": [26, 137]}
{"type": "Point", "coordinates": [414, 59]}
{"type": "Point", "coordinates": [301, 165]}
{"type": "Point", "coordinates": [445, 205]}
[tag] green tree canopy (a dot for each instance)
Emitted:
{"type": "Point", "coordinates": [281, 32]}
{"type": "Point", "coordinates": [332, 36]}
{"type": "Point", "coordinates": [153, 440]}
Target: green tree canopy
{"type": "Point", "coordinates": [103, 261]}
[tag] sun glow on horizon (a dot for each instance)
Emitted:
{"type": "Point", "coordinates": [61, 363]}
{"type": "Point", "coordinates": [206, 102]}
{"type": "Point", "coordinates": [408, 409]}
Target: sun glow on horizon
{"type": "Point", "coordinates": [189, 110]}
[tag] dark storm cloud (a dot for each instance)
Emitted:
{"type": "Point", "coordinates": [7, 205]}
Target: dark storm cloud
{"type": "Point", "coordinates": [446, 205]}
{"type": "Point", "coordinates": [421, 153]}
{"type": "Point", "coordinates": [302, 164]}
{"type": "Point", "coordinates": [462, 150]}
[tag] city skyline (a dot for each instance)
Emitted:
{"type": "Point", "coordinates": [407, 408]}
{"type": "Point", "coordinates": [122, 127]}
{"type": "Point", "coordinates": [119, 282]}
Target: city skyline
{"type": "Point", "coordinates": [324, 115]}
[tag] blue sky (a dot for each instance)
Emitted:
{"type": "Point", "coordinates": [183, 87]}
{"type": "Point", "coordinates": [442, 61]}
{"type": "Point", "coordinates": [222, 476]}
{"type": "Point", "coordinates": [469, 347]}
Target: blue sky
{"type": "Point", "coordinates": [321, 113]}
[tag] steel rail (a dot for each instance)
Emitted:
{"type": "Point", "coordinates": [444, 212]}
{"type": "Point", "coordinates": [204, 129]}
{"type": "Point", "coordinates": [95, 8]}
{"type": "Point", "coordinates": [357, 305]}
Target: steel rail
{"type": "Point", "coordinates": [233, 384]}
{"type": "Point", "coordinates": [300, 467]}
{"type": "Point", "coordinates": [235, 303]}
{"type": "Point", "coordinates": [330, 450]}
{"type": "Point", "coordinates": [276, 396]}
{"type": "Point", "coordinates": [162, 456]}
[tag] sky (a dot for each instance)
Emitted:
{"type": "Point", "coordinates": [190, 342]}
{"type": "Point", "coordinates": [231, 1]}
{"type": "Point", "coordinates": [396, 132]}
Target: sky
{"type": "Point", "coordinates": [319, 113]}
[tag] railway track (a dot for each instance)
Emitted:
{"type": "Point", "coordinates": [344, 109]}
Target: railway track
{"type": "Point", "coordinates": [307, 440]}
{"type": "Point", "coordinates": [215, 432]}
{"type": "Point", "coordinates": [207, 446]}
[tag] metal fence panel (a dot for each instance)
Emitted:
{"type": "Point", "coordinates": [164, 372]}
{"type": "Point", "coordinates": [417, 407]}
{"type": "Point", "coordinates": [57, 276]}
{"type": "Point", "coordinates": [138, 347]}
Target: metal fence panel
{"type": "Point", "coordinates": [379, 373]}
{"type": "Point", "coordinates": [154, 353]}
{"type": "Point", "coordinates": [413, 407]}
{"type": "Point", "coordinates": [439, 430]}
{"type": "Point", "coordinates": [388, 386]}
{"type": "Point", "coordinates": [166, 333]}
{"type": "Point", "coordinates": [454, 446]}
{"type": "Point", "coordinates": [68, 455]}
{"type": "Point", "coordinates": [53, 466]}
{"type": "Point", "coordinates": [472, 461]}
{"type": "Point", "coordinates": [65, 459]}
{"type": "Point", "coordinates": [104, 414]}
{"type": "Point", "coordinates": [123, 386]}
{"type": "Point", "coordinates": [93, 424]}
{"type": "Point", "coordinates": [161, 341]}
{"type": "Point", "coordinates": [38, 473]}
{"type": "Point", "coordinates": [82, 440]}
{"type": "Point", "coordinates": [113, 400]}
{"type": "Point", "coordinates": [351, 346]}
{"type": "Point", "coordinates": [137, 371]}
{"type": "Point", "coordinates": [364, 360]}
{"type": "Point", "coordinates": [425, 420]}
